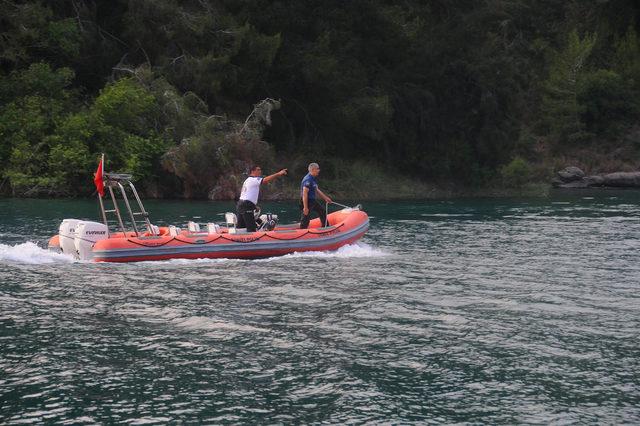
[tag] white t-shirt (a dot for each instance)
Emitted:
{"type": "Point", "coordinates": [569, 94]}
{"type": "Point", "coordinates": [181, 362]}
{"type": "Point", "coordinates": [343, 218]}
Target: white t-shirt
{"type": "Point", "coordinates": [251, 189]}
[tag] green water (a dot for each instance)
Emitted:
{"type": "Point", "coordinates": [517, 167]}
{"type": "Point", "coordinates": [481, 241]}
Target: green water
{"type": "Point", "coordinates": [483, 311]}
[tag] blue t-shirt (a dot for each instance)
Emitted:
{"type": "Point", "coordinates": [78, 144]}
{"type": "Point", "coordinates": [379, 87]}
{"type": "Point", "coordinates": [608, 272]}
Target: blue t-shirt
{"type": "Point", "coordinates": [309, 182]}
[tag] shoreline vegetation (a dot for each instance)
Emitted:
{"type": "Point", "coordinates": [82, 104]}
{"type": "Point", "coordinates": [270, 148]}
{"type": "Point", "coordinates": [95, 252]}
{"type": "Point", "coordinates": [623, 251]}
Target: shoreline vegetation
{"type": "Point", "coordinates": [423, 193]}
{"type": "Point", "coordinates": [410, 101]}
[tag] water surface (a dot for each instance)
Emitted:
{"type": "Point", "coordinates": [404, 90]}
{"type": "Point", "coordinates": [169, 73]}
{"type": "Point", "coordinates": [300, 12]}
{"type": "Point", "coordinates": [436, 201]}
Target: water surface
{"type": "Point", "coordinates": [492, 311]}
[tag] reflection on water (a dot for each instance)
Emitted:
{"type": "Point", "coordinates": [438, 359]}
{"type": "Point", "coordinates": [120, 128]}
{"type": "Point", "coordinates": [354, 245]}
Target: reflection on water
{"type": "Point", "coordinates": [492, 311]}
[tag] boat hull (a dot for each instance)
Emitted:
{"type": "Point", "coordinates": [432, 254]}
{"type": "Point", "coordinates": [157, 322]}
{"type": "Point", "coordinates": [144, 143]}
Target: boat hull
{"type": "Point", "coordinates": [348, 227]}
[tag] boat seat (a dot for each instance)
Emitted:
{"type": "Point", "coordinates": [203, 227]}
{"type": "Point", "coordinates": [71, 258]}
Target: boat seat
{"type": "Point", "coordinates": [173, 231]}
{"type": "Point", "coordinates": [213, 228]}
{"type": "Point", "coordinates": [155, 231]}
{"type": "Point", "coordinates": [231, 219]}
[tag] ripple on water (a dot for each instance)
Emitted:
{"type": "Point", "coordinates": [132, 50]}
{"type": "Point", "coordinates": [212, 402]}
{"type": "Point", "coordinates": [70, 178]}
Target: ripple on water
{"type": "Point", "coordinates": [448, 312]}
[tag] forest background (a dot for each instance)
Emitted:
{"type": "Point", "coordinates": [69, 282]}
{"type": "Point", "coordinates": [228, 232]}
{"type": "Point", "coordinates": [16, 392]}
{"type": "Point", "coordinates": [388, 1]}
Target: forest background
{"type": "Point", "coordinates": [395, 99]}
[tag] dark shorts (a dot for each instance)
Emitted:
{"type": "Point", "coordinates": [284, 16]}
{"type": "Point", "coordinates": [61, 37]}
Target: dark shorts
{"type": "Point", "coordinates": [246, 219]}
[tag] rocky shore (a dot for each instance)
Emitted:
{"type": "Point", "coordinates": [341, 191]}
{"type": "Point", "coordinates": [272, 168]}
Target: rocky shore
{"type": "Point", "coordinates": [573, 177]}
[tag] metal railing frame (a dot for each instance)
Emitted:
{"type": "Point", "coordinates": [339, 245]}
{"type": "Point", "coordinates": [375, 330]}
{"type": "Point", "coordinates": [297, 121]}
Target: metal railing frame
{"type": "Point", "coordinates": [114, 180]}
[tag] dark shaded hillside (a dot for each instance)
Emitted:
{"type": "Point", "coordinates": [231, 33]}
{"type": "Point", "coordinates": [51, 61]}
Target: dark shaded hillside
{"type": "Point", "coordinates": [466, 93]}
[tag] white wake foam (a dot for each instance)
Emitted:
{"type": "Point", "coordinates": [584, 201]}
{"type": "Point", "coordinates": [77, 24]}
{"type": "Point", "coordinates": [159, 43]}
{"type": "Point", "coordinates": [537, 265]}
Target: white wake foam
{"type": "Point", "coordinates": [31, 253]}
{"type": "Point", "coordinates": [147, 263]}
{"type": "Point", "coordinates": [350, 250]}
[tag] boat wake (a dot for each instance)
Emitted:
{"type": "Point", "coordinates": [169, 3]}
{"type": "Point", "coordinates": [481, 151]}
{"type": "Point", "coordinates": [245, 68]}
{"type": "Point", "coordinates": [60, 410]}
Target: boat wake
{"type": "Point", "coordinates": [357, 250]}
{"type": "Point", "coordinates": [31, 253]}
{"type": "Point", "coordinates": [348, 251]}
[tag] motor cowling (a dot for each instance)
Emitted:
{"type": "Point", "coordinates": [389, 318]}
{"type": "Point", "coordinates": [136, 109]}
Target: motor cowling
{"type": "Point", "coordinates": [267, 222]}
{"type": "Point", "coordinates": [67, 235]}
{"type": "Point", "coordinates": [87, 234]}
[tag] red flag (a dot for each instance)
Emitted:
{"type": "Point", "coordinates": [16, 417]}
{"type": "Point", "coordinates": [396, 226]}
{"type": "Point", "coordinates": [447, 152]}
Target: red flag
{"type": "Point", "coordinates": [99, 179]}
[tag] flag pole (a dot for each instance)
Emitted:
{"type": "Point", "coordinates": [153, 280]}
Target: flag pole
{"type": "Point", "coordinates": [104, 214]}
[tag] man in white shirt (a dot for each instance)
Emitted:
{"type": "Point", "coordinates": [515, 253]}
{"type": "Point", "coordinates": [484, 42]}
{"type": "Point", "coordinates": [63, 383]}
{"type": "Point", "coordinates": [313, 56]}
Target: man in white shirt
{"type": "Point", "coordinates": [249, 196]}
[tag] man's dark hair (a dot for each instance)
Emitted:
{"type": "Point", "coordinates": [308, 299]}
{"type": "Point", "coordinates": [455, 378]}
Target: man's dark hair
{"type": "Point", "coordinates": [253, 168]}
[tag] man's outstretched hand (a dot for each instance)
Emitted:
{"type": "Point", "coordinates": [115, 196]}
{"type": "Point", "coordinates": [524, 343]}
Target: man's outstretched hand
{"type": "Point", "coordinates": [269, 178]}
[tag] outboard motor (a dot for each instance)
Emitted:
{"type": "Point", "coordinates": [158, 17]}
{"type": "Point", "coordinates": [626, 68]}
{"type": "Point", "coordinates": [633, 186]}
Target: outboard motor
{"type": "Point", "coordinates": [67, 235]}
{"type": "Point", "coordinates": [87, 233]}
{"type": "Point", "coordinates": [267, 222]}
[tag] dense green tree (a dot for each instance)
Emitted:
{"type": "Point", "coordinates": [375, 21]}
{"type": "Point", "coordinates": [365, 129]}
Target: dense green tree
{"type": "Point", "coordinates": [560, 105]}
{"type": "Point", "coordinates": [437, 90]}
{"type": "Point", "coordinates": [35, 101]}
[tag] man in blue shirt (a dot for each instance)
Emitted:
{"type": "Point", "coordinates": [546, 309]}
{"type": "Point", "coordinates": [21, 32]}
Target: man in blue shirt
{"type": "Point", "coordinates": [308, 191]}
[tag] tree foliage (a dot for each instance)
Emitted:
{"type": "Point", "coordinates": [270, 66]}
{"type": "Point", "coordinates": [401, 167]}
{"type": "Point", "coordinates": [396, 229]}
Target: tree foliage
{"type": "Point", "coordinates": [562, 110]}
{"type": "Point", "coordinates": [436, 90]}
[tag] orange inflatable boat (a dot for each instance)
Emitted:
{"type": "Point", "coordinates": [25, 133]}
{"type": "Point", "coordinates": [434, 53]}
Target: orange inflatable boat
{"type": "Point", "coordinates": [94, 241]}
{"type": "Point", "coordinates": [348, 225]}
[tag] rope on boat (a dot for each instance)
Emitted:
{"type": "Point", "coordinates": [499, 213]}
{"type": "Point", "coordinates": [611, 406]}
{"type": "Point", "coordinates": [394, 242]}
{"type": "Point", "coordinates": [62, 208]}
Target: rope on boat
{"type": "Point", "coordinates": [224, 237]}
{"type": "Point", "coordinates": [195, 242]}
{"type": "Point", "coordinates": [341, 205]}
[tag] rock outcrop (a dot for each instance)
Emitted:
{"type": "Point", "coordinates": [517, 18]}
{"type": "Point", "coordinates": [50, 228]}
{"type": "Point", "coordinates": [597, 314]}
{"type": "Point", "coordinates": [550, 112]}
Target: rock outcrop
{"type": "Point", "coordinates": [573, 177]}
{"type": "Point", "coordinates": [570, 174]}
{"type": "Point", "coordinates": [622, 179]}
